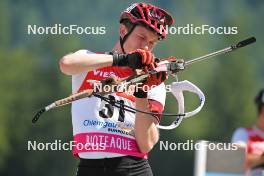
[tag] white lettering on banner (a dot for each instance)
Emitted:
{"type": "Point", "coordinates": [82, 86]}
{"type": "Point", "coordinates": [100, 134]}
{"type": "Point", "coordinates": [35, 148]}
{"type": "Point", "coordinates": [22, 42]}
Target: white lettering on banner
{"type": "Point", "coordinates": [103, 74]}
{"type": "Point", "coordinates": [120, 143]}
{"type": "Point", "coordinates": [114, 142]}
{"type": "Point", "coordinates": [100, 139]}
{"type": "Point", "coordinates": [96, 72]}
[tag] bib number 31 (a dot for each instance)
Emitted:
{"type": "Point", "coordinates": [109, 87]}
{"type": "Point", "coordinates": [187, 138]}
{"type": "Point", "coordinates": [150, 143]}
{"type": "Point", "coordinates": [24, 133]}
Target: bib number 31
{"type": "Point", "coordinates": [107, 110]}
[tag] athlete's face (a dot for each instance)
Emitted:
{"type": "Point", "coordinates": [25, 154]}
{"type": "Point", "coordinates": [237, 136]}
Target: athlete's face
{"type": "Point", "coordinates": [140, 38]}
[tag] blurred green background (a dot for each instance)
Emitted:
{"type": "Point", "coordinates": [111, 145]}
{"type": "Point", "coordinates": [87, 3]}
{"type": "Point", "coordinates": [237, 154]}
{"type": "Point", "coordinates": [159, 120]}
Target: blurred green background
{"type": "Point", "coordinates": [30, 77]}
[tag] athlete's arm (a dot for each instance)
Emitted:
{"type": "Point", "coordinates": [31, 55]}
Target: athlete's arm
{"type": "Point", "coordinates": [84, 61]}
{"type": "Point", "coordinates": [146, 132]}
{"type": "Point", "coordinates": [81, 61]}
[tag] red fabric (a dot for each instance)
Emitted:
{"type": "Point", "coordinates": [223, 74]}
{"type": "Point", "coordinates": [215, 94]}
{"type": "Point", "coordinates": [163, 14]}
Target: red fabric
{"type": "Point", "coordinates": [156, 107]}
{"type": "Point", "coordinates": [103, 73]}
{"type": "Point", "coordinates": [255, 142]}
{"type": "Point", "coordinates": [156, 79]}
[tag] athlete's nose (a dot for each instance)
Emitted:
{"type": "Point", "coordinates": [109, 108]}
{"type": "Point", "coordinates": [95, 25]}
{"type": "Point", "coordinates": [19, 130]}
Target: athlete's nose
{"type": "Point", "coordinates": [144, 45]}
{"type": "Point", "coordinates": [147, 47]}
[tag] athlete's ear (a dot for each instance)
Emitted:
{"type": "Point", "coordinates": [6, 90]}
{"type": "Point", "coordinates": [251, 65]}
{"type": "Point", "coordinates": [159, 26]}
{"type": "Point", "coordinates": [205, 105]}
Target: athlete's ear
{"type": "Point", "coordinates": [122, 30]}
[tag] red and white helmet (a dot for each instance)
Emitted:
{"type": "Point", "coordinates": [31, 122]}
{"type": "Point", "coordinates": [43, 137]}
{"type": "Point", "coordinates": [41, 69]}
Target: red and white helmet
{"type": "Point", "coordinates": [153, 17]}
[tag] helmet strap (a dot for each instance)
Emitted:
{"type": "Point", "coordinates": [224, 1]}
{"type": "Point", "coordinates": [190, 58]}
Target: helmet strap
{"type": "Point", "coordinates": [122, 40]}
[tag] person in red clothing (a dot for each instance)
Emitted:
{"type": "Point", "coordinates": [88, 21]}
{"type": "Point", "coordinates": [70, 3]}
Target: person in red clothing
{"type": "Point", "coordinates": [112, 150]}
{"type": "Point", "coordinates": [253, 139]}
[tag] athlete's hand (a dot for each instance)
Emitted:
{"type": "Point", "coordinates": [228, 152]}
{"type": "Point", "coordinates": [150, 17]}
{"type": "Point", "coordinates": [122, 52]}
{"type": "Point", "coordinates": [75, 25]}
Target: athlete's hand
{"type": "Point", "coordinates": [151, 81]}
{"type": "Point", "coordinates": [137, 59]}
{"type": "Point", "coordinates": [154, 79]}
{"type": "Point", "coordinates": [141, 58]}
